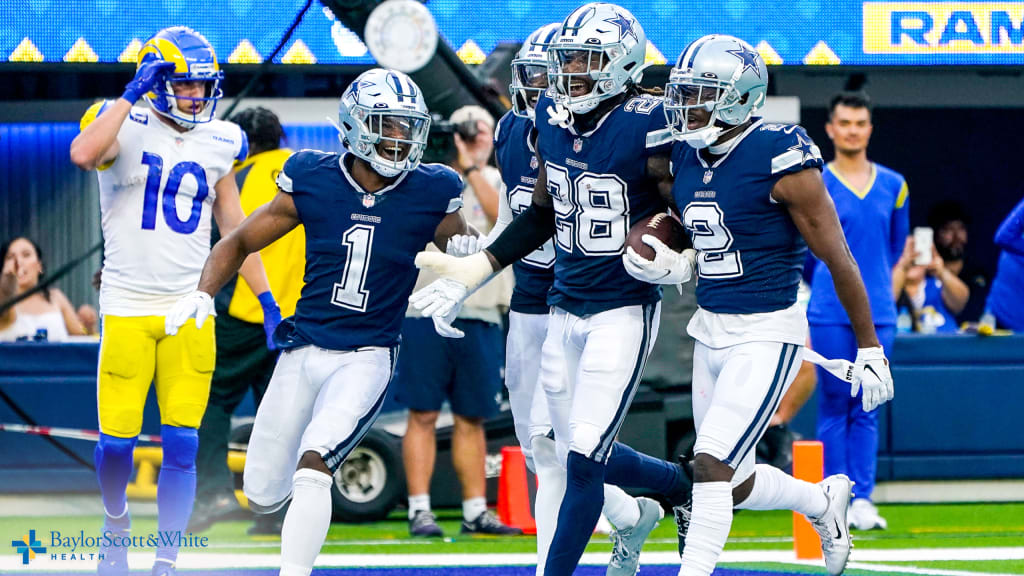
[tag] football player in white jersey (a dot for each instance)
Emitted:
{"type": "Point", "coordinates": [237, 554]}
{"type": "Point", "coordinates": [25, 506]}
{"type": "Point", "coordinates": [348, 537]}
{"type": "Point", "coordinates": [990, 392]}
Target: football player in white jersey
{"type": "Point", "coordinates": [163, 170]}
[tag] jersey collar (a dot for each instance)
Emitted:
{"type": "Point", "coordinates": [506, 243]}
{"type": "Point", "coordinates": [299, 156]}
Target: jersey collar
{"type": "Point", "coordinates": [755, 124]}
{"type": "Point", "coordinates": [359, 189]}
{"type": "Point", "coordinates": [862, 193]}
{"type": "Point", "coordinates": [597, 126]}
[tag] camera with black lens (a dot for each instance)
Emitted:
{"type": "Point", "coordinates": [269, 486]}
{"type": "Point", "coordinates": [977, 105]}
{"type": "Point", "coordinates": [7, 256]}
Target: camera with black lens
{"type": "Point", "coordinates": [441, 139]}
{"type": "Point", "coordinates": [468, 130]}
{"type": "Point", "coordinates": [440, 142]}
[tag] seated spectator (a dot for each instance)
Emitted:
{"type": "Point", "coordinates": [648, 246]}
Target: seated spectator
{"type": "Point", "coordinates": [950, 223]}
{"type": "Point", "coordinates": [934, 293]}
{"type": "Point", "coordinates": [11, 326]}
{"type": "Point", "coordinates": [1008, 285]}
{"type": "Point", "coordinates": [46, 308]}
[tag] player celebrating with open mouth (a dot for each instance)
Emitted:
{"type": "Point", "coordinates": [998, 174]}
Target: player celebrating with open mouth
{"type": "Point", "coordinates": [602, 148]}
{"type": "Point", "coordinates": [516, 157]}
{"type": "Point", "coordinates": [366, 213]}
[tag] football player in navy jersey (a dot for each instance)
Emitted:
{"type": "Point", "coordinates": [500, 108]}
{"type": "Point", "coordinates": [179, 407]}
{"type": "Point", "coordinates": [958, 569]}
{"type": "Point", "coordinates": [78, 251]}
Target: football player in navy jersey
{"type": "Point", "coordinates": [515, 155]}
{"type": "Point", "coordinates": [602, 148]}
{"type": "Point", "coordinates": [366, 213]}
{"type": "Point", "coordinates": [752, 200]}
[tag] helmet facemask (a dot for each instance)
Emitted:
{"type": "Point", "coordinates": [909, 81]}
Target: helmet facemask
{"type": "Point", "coordinates": [698, 109]}
{"type": "Point", "coordinates": [574, 66]}
{"type": "Point", "coordinates": [391, 141]}
{"type": "Point", "coordinates": [529, 81]}
{"type": "Point", "coordinates": [164, 101]}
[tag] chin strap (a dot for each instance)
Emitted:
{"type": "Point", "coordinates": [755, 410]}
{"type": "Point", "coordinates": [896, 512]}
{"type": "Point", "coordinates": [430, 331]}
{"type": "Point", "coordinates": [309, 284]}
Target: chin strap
{"type": "Point", "coordinates": [702, 138]}
{"type": "Point", "coordinates": [385, 171]}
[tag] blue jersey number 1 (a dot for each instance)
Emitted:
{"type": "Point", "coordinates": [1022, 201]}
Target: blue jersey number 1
{"type": "Point", "coordinates": [152, 194]}
{"type": "Point", "coordinates": [351, 292]}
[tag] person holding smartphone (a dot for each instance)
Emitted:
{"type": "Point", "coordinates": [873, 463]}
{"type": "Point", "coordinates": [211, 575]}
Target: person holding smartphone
{"type": "Point", "coordinates": [933, 291]}
{"type": "Point", "coordinates": [873, 207]}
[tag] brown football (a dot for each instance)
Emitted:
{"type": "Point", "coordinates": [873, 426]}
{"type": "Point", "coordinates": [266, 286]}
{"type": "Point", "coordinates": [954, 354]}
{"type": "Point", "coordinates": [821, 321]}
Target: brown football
{"type": "Point", "coordinates": [664, 227]}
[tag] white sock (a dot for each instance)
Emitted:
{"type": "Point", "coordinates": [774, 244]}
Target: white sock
{"type": "Point", "coordinates": [550, 489]}
{"type": "Point", "coordinates": [775, 490]}
{"type": "Point", "coordinates": [306, 523]}
{"type": "Point", "coordinates": [620, 508]}
{"type": "Point", "coordinates": [709, 528]}
{"type": "Point", "coordinates": [418, 502]}
{"type": "Point", "coordinates": [473, 508]}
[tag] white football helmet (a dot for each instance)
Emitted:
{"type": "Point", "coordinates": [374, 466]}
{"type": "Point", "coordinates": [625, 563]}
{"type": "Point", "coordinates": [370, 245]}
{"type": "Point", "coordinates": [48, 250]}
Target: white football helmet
{"type": "Point", "coordinates": [383, 119]}
{"type": "Point", "coordinates": [602, 43]}
{"type": "Point", "coordinates": [718, 77]}
{"type": "Point", "coordinates": [530, 70]}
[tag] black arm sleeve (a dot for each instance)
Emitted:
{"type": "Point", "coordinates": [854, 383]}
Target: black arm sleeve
{"type": "Point", "coordinates": [527, 232]}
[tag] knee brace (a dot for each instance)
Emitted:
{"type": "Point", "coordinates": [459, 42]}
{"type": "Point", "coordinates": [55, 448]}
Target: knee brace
{"type": "Point", "coordinates": [180, 446]}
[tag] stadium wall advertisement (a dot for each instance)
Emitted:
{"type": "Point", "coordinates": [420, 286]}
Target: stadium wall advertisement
{"type": "Point", "coordinates": [807, 32]}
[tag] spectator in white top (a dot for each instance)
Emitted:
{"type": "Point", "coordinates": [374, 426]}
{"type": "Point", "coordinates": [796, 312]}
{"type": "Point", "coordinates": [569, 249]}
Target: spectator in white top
{"type": "Point", "coordinates": [46, 309]}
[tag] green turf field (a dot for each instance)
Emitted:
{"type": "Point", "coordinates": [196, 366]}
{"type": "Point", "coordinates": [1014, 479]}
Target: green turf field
{"type": "Point", "coordinates": [911, 527]}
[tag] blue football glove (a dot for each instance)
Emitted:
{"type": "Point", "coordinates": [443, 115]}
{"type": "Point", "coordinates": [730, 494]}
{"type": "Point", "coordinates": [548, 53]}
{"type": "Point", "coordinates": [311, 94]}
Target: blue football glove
{"type": "Point", "coordinates": [148, 75]}
{"type": "Point", "coordinates": [271, 317]}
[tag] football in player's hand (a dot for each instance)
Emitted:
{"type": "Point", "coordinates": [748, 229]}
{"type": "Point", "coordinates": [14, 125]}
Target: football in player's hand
{"type": "Point", "coordinates": [664, 227]}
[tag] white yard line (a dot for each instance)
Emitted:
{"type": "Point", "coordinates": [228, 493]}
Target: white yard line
{"type": "Point", "coordinates": [889, 569]}
{"type": "Point", "coordinates": [191, 560]}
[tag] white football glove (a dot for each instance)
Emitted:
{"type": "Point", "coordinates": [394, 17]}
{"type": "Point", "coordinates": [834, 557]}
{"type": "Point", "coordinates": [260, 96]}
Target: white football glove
{"type": "Point", "coordinates": [871, 372]}
{"type": "Point", "coordinates": [198, 304]}
{"type": "Point", "coordinates": [668, 266]}
{"type": "Point", "coordinates": [441, 301]}
{"type": "Point", "coordinates": [470, 271]}
{"type": "Point", "coordinates": [462, 245]}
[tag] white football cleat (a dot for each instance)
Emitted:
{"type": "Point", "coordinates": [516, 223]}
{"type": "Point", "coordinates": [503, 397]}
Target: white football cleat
{"type": "Point", "coordinates": [627, 543]}
{"type": "Point", "coordinates": [831, 526]}
{"type": "Point", "coordinates": [864, 516]}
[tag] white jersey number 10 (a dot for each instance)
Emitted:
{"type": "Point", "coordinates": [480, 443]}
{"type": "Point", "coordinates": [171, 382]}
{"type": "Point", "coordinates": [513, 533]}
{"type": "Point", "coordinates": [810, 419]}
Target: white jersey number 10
{"type": "Point", "coordinates": [151, 196]}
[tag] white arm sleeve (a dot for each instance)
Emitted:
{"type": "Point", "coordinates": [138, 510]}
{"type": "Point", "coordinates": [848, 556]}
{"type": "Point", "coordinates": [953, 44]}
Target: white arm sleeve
{"type": "Point", "coordinates": [505, 217]}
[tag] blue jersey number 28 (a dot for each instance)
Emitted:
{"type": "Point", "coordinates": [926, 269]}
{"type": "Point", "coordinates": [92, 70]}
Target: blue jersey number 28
{"type": "Point", "coordinates": [152, 194]}
{"type": "Point", "coordinates": [590, 211]}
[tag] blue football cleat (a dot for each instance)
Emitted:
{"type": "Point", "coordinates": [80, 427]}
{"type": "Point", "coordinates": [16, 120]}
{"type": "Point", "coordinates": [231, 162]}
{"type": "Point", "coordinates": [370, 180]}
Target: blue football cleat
{"type": "Point", "coordinates": [161, 568]}
{"type": "Point", "coordinates": [114, 559]}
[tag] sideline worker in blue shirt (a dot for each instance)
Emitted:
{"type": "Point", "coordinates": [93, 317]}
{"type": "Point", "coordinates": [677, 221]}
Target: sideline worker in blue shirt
{"type": "Point", "coordinates": [872, 204]}
{"type": "Point", "coordinates": [1005, 298]}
